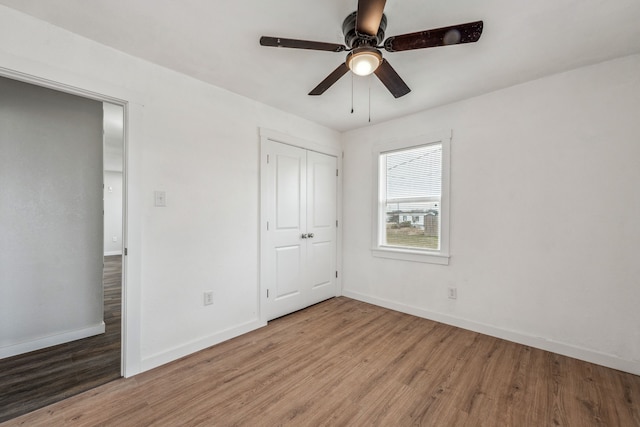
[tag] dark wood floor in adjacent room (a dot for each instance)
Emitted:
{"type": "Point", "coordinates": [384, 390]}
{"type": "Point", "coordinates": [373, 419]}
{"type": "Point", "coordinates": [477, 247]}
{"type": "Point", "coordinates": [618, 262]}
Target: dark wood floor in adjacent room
{"type": "Point", "coordinates": [344, 362]}
{"type": "Point", "coordinates": [33, 380]}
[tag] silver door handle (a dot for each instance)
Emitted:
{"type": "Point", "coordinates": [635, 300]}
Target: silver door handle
{"type": "Point", "coordinates": [304, 236]}
{"type": "Point", "coordinates": [311, 235]}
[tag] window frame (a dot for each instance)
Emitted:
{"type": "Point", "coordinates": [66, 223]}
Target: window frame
{"type": "Point", "coordinates": [440, 256]}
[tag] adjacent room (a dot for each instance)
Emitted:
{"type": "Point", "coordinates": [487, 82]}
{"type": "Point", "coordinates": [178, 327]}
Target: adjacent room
{"type": "Point", "coordinates": [357, 212]}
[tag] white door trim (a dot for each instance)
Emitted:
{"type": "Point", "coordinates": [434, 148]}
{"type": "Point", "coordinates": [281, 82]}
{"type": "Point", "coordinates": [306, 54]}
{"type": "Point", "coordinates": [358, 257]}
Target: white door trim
{"type": "Point", "coordinates": [270, 135]}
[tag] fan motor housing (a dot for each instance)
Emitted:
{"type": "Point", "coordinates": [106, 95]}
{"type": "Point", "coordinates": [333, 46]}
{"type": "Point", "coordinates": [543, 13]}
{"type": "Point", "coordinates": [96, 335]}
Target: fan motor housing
{"type": "Point", "coordinates": [353, 39]}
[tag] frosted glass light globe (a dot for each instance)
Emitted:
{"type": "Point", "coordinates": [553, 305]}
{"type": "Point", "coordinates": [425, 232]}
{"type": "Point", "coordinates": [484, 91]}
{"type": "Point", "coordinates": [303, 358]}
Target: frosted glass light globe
{"type": "Point", "coordinates": [364, 63]}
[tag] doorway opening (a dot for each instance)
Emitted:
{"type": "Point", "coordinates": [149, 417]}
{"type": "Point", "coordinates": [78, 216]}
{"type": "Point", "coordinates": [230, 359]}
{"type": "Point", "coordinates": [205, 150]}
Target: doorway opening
{"type": "Point", "coordinates": [41, 369]}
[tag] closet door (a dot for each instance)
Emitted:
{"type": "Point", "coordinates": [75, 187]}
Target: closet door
{"type": "Point", "coordinates": [298, 260]}
{"type": "Point", "coordinates": [284, 263]}
{"type": "Point", "coordinates": [321, 226]}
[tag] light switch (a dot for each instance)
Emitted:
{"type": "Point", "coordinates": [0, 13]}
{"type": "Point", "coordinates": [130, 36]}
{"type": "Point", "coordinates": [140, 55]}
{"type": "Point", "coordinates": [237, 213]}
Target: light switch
{"type": "Point", "coordinates": [161, 198]}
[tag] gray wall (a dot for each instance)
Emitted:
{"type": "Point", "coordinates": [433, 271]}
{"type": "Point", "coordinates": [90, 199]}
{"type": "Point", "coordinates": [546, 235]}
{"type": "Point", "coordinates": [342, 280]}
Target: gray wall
{"type": "Point", "coordinates": [50, 217]}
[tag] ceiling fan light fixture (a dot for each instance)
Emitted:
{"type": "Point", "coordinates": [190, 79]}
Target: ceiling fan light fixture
{"type": "Point", "coordinates": [364, 34]}
{"type": "Point", "coordinates": [364, 62]}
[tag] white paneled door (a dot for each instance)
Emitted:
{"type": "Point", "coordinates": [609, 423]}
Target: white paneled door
{"type": "Point", "coordinates": [299, 237]}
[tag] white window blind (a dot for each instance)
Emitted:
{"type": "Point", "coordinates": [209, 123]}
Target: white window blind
{"type": "Point", "coordinates": [410, 197]}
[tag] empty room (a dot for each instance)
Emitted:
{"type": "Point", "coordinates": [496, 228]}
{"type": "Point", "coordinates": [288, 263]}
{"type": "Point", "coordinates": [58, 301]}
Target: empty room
{"type": "Point", "coordinates": [355, 212]}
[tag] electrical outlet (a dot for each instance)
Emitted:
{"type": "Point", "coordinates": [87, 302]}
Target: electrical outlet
{"type": "Point", "coordinates": [452, 293]}
{"type": "Point", "coordinates": [208, 298]}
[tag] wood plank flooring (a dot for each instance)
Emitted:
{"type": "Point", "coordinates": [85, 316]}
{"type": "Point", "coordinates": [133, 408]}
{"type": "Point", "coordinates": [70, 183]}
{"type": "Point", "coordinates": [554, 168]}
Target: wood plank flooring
{"type": "Point", "coordinates": [344, 362]}
{"type": "Point", "coordinates": [39, 378]}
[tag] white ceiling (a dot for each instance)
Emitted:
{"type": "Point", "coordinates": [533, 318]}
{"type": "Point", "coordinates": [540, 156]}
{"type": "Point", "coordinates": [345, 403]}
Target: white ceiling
{"type": "Point", "coordinates": [217, 41]}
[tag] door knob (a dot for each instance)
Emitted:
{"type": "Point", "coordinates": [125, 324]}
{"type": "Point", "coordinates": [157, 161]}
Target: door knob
{"type": "Point", "coordinates": [304, 236]}
{"type": "Point", "coordinates": [311, 235]}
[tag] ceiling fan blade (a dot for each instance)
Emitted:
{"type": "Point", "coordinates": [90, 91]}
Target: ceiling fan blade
{"type": "Point", "coordinates": [369, 16]}
{"type": "Point", "coordinates": [301, 44]}
{"type": "Point", "coordinates": [391, 79]}
{"type": "Point", "coordinates": [456, 34]}
{"type": "Point", "coordinates": [330, 80]}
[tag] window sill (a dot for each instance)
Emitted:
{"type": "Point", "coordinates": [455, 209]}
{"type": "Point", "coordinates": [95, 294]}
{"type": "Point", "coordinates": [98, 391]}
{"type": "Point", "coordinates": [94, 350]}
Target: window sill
{"type": "Point", "coordinates": [411, 255]}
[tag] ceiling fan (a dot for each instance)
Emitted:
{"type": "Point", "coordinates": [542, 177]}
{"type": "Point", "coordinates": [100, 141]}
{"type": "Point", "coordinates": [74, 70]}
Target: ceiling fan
{"type": "Point", "coordinates": [363, 32]}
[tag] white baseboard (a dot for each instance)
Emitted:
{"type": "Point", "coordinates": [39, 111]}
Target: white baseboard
{"type": "Point", "coordinates": [51, 340]}
{"type": "Point", "coordinates": [197, 345]}
{"type": "Point", "coordinates": [111, 253]}
{"type": "Point", "coordinates": [608, 360]}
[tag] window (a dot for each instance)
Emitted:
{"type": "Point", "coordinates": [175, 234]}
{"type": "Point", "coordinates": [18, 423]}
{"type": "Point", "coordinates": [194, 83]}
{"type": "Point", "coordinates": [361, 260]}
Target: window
{"type": "Point", "coordinates": [411, 208]}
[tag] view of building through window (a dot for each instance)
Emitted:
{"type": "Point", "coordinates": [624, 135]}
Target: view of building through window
{"type": "Point", "coordinates": [413, 180]}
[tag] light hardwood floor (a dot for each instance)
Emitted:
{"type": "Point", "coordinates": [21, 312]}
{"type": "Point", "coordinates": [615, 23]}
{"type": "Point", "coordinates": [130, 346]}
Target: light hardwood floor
{"type": "Point", "coordinates": [344, 362]}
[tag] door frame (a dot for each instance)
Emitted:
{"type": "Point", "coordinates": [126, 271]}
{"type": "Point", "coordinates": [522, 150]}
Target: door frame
{"type": "Point", "coordinates": [125, 369]}
{"type": "Point", "coordinates": [282, 138]}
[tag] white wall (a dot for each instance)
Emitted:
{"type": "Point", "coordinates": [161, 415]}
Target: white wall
{"type": "Point", "coordinates": [198, 143]}
{"type": "Point", "coordinates": [113, 137]}
{"type": "Point", "coordinates": [113, 177]}
{"type": "Point", "coordinates": [545, 223]}
{"type": "Point", "coordinates": [112, 213]}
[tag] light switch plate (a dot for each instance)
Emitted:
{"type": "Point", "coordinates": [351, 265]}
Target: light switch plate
{"type": "Point", "coordinates": [161, 198]}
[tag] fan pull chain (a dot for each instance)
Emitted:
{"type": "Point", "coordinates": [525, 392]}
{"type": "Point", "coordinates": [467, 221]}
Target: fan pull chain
{"type": "Point", "coordinates": [369, 99]}
{"type": "Point", "coordinates": [351, 93]}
